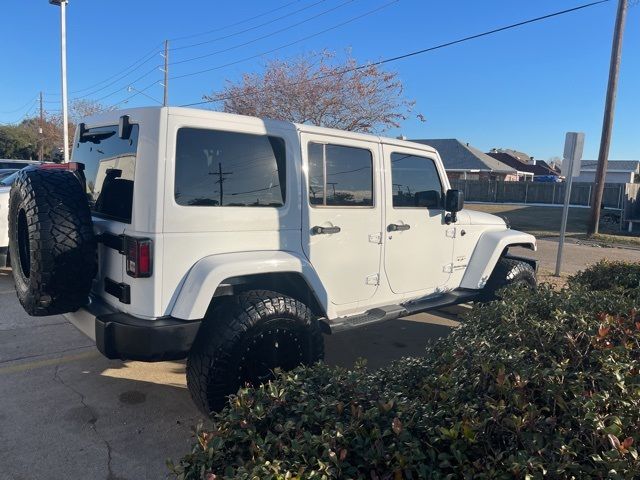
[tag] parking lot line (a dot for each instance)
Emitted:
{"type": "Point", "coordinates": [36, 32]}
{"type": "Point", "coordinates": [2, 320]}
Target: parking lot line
{"type": "Point", "coordinates": [24, 367]}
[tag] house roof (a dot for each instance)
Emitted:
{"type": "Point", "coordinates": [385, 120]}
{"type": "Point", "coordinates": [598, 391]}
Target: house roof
{"type": "Point", "coordinates": [613, 165]}
{"type": "Point", "coordinates": [520, 156]}
{"type": "Point", "coordinates": [457, 155]}
{"type": "Point", "coordinates": [540, 168]}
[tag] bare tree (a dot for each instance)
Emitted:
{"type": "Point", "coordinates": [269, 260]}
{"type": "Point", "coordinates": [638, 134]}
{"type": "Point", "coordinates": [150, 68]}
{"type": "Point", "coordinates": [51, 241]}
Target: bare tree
{"type": "Point", "coordinates": [23, 140]}
{"type": "Point", "coordinates": [79, 109]}
{"type": "Point", "coordinates": [316, 89]}
{"type": "Point", "coordinates": [82, 108]}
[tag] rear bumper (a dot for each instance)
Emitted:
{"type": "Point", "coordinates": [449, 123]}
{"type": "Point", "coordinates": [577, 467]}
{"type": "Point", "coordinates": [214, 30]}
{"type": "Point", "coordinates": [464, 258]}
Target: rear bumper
{"type": "Point", "coordinates": [123, 336]}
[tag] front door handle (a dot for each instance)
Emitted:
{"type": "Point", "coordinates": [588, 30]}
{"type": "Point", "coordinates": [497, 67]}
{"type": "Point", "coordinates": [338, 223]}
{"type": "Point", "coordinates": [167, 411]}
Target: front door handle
{"type": "Point", "coordinates": [394, 227]}
{"type": "Point", "coordinates": [317, 230]}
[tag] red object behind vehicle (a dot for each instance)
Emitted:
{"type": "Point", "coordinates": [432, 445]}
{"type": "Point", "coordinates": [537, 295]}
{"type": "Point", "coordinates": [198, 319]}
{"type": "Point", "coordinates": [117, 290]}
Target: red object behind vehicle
{"type": "Point", "coordinates": [72, 166]}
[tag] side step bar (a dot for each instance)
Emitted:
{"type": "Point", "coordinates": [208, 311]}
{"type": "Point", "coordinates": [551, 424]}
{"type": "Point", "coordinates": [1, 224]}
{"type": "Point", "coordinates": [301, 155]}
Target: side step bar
{"type": "Point", "coordinates": [391, 312]}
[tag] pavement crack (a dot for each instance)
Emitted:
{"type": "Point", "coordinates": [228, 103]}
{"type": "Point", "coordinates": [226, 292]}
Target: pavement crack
{"type": "Point", "coordinates": [92, 420]}
{"type": "Point", "coordinates": [28, 357]}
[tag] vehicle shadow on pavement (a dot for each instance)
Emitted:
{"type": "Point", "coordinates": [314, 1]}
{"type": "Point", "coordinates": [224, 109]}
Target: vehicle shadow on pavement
{"type": "Point", "coordinates": [382, 343]}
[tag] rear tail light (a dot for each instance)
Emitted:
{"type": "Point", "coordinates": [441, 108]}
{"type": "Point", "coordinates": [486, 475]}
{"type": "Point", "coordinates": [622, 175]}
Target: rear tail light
{"type": "Point", "coordinates": [138, 251]}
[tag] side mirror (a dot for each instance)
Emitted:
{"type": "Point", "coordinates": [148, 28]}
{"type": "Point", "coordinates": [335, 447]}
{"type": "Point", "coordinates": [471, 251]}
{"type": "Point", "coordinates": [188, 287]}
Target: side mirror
{"type": "Point", "coordinates": [454, 202]}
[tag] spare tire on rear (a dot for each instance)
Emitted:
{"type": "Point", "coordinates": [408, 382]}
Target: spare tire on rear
{"type": "Point", "coordinates": [51, 242]}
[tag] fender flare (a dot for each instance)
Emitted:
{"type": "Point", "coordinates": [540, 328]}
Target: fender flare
{"type": "Point", "coordinates": [207, 274]}
{"type": "Point", "coordinates": [487, 253]}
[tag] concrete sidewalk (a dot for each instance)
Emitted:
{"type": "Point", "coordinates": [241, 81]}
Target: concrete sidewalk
{"type": "Point", "coordinates": [577, 256]}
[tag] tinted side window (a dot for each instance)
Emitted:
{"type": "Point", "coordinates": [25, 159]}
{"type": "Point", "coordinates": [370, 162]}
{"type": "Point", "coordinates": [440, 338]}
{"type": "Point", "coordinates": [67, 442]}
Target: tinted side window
{"type": "Point", "coordinates": [230, 169]}
{"type": "Point", "coordinates": [110, 165]}
{"type": "Point", "coordinates": [416, 182]}
{"type": "Point", "coordinates": [340, 176]}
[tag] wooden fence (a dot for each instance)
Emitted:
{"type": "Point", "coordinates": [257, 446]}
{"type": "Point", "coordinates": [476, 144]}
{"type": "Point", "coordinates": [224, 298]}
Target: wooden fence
{"type": "Point", "coordinates": [616, 195]}
{"type": "Point", "coordinates": [632, 203]}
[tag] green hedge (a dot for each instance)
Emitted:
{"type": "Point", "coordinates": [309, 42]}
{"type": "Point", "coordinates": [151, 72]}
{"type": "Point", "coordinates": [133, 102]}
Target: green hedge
{"type": "Point", "coordinates": [543, 384]}
{"type": "Point", "coordinates": [607, 275]}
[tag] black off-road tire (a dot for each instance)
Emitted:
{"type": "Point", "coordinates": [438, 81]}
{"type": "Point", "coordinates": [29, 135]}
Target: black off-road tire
{"type": "Point", "coordinates": [244, 339]}
{"type": "Point", "coordinates": [51, 242]}
{"type": "Point", "coordinates": [508, 271]}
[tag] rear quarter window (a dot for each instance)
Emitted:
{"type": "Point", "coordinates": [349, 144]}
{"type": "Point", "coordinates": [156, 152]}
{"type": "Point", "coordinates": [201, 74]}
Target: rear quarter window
{"type": "Point", "coordinates": [216, 168]}
{"type": "Point", "coordinates": [110, 164]}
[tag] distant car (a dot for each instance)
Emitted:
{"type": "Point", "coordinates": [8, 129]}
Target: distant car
{"type": "Point", "coordinates": [7, 181]}
{"type": "Point", "coordinates": [5, 172]}
{"type": "Point", "coordinates": [16, 164]}
{"type": "Point", "coordinates": [547, 178]}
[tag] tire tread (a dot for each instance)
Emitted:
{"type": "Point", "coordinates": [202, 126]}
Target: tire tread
{"type": "Point", "coordinates": [209, 361]}
{"type": "Point", "coordinates": [61, 241]}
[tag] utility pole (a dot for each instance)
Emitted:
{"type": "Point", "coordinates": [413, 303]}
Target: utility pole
{"type": "Point", "coordinates": [221, 180]}
{"type": "Point", "coordinates": [165, 100]}
{"type": "Point", "coordinates": [41, 132]}
{"type": "Point", "coordinates": [607, 122]}
{"type": "Point", "coordinates": [333, 184]}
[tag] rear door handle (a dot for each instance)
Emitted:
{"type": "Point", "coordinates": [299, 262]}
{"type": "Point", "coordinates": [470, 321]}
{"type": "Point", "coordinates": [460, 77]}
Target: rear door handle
{"type": "Point", "coordinates": [317, 230]}
{"type": "Point", "coordinates": [394, 227]}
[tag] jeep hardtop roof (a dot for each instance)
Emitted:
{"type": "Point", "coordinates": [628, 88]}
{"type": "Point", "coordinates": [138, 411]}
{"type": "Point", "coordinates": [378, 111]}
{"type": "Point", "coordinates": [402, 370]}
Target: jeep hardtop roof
{"type": "Point", "coordinates": [111, 117]}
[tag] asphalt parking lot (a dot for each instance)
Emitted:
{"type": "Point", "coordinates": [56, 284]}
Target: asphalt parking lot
{"type": "Point", "coordinates": [67, 412]}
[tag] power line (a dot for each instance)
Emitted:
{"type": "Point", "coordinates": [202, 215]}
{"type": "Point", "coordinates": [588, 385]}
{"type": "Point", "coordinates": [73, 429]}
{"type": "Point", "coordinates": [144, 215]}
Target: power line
{"type": "Point", "coordinates": [150, 55]}
{"type": "Point", "coordinates": [138, 92]}
{"type": "Point", "coordinates": [248, 29]}
{"type": "Point", "coordinates": [26, 113]}
{"type": "Point", "coordinates": [122, 74]}
{"type": "Point", "coordinates": [19, 108]}
{"type": "Point", "coordinates": [240, 22]}
{"type": "Point", "coordinates": [137, 64]}
{"type": "Point", "coordinates": [149, 72]}
{"type": "Point", "coordinates": [249, 42]}
{"type": "Point", "coordinates": [414, 53]}
{"type": "Point", "coordinates": [122, 77]}
{"type": "Point", "coordinates": [353, 19]}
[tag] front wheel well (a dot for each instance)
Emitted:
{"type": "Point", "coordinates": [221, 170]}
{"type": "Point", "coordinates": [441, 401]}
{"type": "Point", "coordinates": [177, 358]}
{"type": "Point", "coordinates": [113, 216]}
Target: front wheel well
{"type": "Point", "coordinates": [529, 246]}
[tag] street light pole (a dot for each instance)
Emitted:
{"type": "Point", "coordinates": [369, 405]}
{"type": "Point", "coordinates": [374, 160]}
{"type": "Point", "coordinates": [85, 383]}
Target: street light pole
{"type": "Point", "coordinates": [63, 54]}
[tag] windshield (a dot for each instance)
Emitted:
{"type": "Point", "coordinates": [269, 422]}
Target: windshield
{"type": "Point", "coordinates": [8, 181]}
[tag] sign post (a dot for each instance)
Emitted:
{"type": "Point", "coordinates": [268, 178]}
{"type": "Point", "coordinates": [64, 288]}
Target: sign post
{"type": "Point", "coordinates": [572, 159]}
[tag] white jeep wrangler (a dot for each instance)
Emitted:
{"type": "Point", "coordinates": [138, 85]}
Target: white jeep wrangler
{"type": "Point", "coordinates": [235, 242]}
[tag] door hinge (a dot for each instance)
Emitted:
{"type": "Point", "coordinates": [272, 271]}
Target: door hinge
{"type": "Point", "coordinates": [375, 237]}
{"type": "Point", "coordinates": [448, 268]}
{"type": "Point", "coordinates": [373, 279]}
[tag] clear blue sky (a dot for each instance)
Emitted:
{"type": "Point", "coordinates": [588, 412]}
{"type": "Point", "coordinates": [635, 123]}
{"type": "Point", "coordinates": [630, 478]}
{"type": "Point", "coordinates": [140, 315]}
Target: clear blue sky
{"type": "Point", "coordinates": [521, 89]}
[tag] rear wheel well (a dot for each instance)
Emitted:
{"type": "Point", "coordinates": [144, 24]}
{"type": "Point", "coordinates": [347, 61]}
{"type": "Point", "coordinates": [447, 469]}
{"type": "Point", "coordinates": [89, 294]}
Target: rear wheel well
{"type": "Point", "coordinates": [292, 284]}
